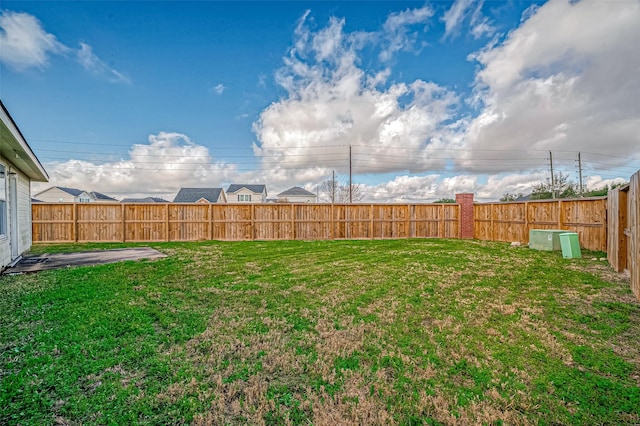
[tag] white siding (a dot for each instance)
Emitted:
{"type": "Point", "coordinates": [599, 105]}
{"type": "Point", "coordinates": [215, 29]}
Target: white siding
{"type": "Point", "coordinates": [24, 216]}
{"type": "Point", "coordinates": [255, 197]}
{"type": "Point", "coordinates": [24, 213]}
{"type": "Point", "coordinates": [54, 195]}
{"type": "Point", "coordinates": [5, 247]}
{"type": "Point", "coordinates": [5, 251]}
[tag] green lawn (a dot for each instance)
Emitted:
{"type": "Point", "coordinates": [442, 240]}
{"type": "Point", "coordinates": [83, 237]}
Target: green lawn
{"type": "Point", "coordinates": [342, 332]}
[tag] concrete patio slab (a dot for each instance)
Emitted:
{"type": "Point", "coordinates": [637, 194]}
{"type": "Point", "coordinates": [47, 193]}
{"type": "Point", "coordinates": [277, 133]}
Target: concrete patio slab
{"type": "Point", "coordinates": [87, 258]}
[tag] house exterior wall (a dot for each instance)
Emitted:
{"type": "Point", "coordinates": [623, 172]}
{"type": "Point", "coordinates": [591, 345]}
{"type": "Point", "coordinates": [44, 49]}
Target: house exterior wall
{"type": "Point", "coordinates": [5, 244]}
{"type": "Point", "coordinates": [55, 195]}
{"type": "Point", "coordinates": [20, 167]}
{"type": "Point", "coordinates": [22, 210]}
{"type": "Point", "coordinates": [24, 213]}
{"type": "Point", "coordinates": [255, 197]}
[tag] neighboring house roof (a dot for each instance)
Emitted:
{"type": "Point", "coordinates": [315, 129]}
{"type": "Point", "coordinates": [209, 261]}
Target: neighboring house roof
{"type": "Point", "coordinates": [144, 200]}
{"type": "Point", "coordinates": [258, 189]}
{"type": "Point", "coordinates": [296, 191]}
{"type": "Point", "coordinates": [33, 200]}
{"type": "Point", "coordinates": [99, 196]}
{"type": "Point", "coordinates": [192, 195]}
{"type": "Point", "coordinates": [71, 191]}
{"type": "Point", "coordinates": [15, 147]}
{"type": "Point", "coordinates": [524, 198]}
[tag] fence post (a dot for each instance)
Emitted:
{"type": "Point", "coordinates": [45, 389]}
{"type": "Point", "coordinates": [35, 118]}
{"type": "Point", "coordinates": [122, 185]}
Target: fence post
{"type": "Point", "coordinates": [407, 222]}
{"type": "Point", "coordinates": [210, 213]}
{"type": "Point", "coordinates": [412, 221]}
{"type": "Point", "coordinates": [253, 221]}
{"type": "Point", "coordinates": [492, 212]}
{"type": "Point", "coordinates": [293, 221]}
{"type": "Point", "coordinates": [527, 228]}
{"type": "Point", "coordinates": [75, 222]}
{"type": "Point", "coordinates": [124, 237]}
{"type": "Point", "coordinates": [332, 231]}
{"type": "Point", "coordinates": [560, 215]}
{"type": "Point", "coordinates": [345, 221]}
{"type": "Point", "coordinates": [465, 201]}
{"type": "Point", "coordinates": [633, 225]}
{"type": "Point", "coordinates": [371, 227]}
{"type": "Point", "coordinates": [166, 222]}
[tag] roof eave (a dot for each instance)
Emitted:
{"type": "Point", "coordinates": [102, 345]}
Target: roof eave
{"type": "Point", "coordinates": [16, 150]}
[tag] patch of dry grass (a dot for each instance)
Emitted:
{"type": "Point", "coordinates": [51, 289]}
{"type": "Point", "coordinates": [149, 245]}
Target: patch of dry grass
{"type": "Point", "coordinates": [332, 333]}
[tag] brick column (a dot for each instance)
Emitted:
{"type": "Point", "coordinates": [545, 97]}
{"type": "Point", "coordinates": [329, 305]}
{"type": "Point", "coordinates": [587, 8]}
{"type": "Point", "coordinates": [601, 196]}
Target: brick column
{"type": "Point", "coordinates": [465, 201]}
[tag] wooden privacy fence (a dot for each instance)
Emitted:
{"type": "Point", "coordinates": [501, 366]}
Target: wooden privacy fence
{"type": "Point", "coordinates": [624, 229]}
{"type": "Point", "coordinates": [604, 224]}
{"type": "Point", "coordinates": [95, 222]}
{"type": "Point", "coordinates": [512, 222]}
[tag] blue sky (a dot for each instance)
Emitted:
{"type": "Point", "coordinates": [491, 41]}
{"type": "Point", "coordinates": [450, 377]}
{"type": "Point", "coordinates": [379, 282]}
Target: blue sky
{"type": "Point", "coordinates": [142, 98]}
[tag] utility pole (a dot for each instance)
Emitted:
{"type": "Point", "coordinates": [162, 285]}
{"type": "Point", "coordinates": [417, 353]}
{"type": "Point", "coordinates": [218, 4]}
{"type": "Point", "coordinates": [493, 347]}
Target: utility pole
{"type": "Point", "coordinates": [553, 181]}
{"type": "Point", "coordinates": [350, 182]}
{"type": "Point", "coordinates": [580, 174]}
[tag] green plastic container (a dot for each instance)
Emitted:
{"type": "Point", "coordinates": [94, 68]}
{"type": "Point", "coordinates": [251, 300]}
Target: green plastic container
{"type": "Point", "coordinates": [545, 239]}
{"type": "Point", "coordinates": [570, 245]}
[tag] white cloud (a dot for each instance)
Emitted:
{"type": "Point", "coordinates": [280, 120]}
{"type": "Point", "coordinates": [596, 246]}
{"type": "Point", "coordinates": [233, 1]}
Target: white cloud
{"type": "Point", "coordinates": [428, 188]}
{"type": "Point", "coordinates": [167, 162]}
{"type": "Point", "coordinates": [332, 103]}
{"type": "Point", "coordinates": [396, 31]}
{"type": "Point", "coordinates": [567, 79]}
{"type": "Point", "coordinates": [454, 17]}
{"type": "Point", "coordinates": [480, 24]}
{"type": "Point", "coordinates": [598, 182]}
{"type": "Point", "coordinates": [25, 44]}
{"type": "Point", "coordinates": [459, 12]}
{"type": "Point", "coordinates": [262, 80]}
{"type": "Point", "coordinates": [218, 89]}
{"type": "Point", "coordinates": [92, 63]}
{"type": "Point", "coordinates": [171, 160]}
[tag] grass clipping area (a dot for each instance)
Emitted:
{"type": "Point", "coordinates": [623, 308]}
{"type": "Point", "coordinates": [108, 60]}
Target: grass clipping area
{"type": "Point", "coordinates": [323, 333]}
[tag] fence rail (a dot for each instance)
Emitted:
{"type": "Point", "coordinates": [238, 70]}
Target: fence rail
{"type": "Point", "coordinates": [96, 222]}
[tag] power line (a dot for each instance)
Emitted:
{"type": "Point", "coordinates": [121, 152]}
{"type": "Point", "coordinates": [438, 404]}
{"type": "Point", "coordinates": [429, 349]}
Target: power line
{"type": "Point", "coordinates": [369, 146]}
